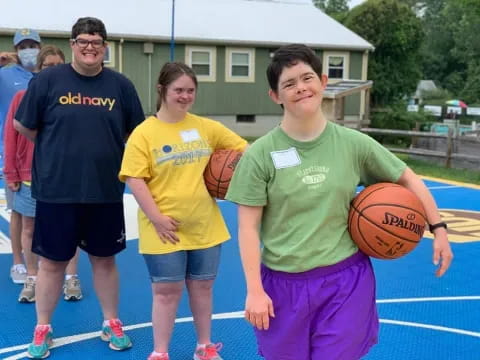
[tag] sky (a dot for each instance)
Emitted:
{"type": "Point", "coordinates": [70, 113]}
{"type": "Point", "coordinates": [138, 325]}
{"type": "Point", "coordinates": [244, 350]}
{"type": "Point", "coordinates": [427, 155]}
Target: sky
{"type": "Point", "coordinates": [355, 2]}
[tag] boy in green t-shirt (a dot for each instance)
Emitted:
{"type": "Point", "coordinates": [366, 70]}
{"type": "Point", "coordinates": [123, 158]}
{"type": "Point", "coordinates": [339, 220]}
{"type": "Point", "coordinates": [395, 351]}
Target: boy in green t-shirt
{"type": "Point", "coordinates": [311, 293]}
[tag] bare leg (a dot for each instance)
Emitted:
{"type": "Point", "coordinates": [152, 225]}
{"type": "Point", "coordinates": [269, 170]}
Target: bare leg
{"type": "Point", "coordinates": [105, 278]}
{"type": "Point", "coordinates": [16, 237]}
{"type": "Point", "coordinates": [200, 296]}
{"type": "Point", "coordinates": [166, 297]}
{"type": "Point", "coordinates": [31, 259]}
{"type": "Point", "coordinates": [72, 268]}
{"type": "Point", "coordinates": [48, 288]}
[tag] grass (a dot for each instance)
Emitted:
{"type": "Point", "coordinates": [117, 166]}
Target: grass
{"type": "Point", "coordinates": [433, 170]}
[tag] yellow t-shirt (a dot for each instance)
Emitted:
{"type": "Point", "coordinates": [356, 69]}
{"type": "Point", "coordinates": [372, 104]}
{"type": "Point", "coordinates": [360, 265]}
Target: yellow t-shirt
{"type": "Point", "coordinates": [171, 158]}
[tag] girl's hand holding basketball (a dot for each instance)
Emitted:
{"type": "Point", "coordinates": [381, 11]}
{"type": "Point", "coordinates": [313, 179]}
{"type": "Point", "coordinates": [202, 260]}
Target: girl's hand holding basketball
{"type": "Point", "coordinates": [166, 227]}
{"type": "Point", "coordinates": [258, 309]}
{"type": "Point", "coordinates": [442, 253]}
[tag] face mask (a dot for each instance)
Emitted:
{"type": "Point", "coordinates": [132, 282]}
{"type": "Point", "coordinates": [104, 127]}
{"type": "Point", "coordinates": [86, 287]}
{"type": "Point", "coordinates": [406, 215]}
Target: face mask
{"type": "Point", "coordinates": [28, 58]}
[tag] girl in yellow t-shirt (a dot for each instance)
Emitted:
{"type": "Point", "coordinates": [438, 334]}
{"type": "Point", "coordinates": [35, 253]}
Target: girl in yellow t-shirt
{"type": "Point", "coordinates": [180, 225]}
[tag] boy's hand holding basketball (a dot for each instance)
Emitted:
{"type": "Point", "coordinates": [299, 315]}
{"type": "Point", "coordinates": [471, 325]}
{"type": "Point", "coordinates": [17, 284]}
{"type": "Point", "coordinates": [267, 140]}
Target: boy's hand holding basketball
{"type": "Point", "coordinates": [442, 253]}
{"type": "Point", "coordinates": [166, 227]}
{"type": "Point", "coordinates": [258, 309]}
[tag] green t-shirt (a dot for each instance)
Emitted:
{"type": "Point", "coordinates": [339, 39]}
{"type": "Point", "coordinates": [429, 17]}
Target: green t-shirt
{"type": "Point", "coordinates": [306, 189]}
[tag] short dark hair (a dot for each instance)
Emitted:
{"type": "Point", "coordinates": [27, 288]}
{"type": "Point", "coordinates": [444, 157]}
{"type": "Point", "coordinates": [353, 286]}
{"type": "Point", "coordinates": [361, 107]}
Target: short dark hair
{"type": "Point", "coordinates": [170, 72]}
{"type": "Point", "coordinates": [89, 25]}
{"type": "Point", "coordinates": [290, 55]}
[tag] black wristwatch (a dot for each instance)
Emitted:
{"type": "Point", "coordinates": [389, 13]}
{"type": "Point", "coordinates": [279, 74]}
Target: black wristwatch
{"type": "Point", "coordinates": [432, 227]}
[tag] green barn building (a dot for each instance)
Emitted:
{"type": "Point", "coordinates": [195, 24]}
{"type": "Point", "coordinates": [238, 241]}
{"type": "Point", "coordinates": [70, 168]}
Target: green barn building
{"type": "Point", "coordinates": [227, 42]}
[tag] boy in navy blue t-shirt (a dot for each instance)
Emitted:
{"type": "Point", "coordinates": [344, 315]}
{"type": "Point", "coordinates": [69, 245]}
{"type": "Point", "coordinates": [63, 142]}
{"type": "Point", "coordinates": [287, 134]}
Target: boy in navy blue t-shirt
{"type": "Point", "coordinates": [79, 115]}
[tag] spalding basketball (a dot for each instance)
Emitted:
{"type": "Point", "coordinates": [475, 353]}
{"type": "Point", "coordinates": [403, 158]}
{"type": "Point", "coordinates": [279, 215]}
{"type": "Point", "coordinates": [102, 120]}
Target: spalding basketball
{"type": "Point", "coordinates": [386, 221]}
{"type": "Point", "coordinates": [219, 171]}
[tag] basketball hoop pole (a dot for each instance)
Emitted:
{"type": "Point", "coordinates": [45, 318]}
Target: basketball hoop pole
{"type": "Point", "coordinates": [172, 38]}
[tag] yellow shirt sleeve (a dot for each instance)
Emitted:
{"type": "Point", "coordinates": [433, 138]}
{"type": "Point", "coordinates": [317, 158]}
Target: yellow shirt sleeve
{"type": "Point", "coordinates": [224, 138]}
{"type": "Point", "coordinates": [136, 158]}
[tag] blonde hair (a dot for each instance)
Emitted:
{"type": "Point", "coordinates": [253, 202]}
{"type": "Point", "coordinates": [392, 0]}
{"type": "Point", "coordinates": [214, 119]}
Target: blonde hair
{"type": "Point", "coordinates": [48, 50]}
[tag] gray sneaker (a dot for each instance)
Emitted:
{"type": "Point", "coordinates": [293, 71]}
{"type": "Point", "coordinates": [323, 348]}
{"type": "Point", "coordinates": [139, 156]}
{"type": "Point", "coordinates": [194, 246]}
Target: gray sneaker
{"type": "Point", "coordinates": [18, 273]}
{"type": "Point", "coordinates": [27, 295]}
{"type": "Point", "coordinates": [72, 290]}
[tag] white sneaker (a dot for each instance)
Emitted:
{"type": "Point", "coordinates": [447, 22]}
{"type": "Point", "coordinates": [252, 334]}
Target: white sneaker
{"type": "Point", "coordinates": [18, 273]}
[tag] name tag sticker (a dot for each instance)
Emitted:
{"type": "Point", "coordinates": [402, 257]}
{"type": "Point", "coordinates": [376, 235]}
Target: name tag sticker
{"type": "Point", "coordinates": [285, 158]}
{"type": "Point", "coordinates": [190, 135]}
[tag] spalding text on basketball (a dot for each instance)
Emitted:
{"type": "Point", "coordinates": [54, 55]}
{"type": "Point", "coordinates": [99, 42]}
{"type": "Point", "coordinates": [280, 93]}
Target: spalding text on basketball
{"type": "Point", "coordinates": [394, 220]}
{"type": "Point", "coordinates": [233, 164]}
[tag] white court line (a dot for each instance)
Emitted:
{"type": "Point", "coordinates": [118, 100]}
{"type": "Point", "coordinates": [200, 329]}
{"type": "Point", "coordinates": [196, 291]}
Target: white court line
{"type": "Point", "coordinates": [431, 327]}
{"type": "Point", "coordinates": [444, 187]}
{"type": "Point", "coordinates": [426, 299]}
{"type": "Point", "coordinates": [76, 338]}
{"type": "Point", "coordinates": [5, 244]}
{"type": "Point", "coordinates": [240, 314]}
{"type": "Point", "coordinates": [4, 213]}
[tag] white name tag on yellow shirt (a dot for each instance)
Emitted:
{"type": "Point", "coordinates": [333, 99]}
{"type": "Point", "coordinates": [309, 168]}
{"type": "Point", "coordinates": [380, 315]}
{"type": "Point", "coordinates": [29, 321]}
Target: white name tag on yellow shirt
{"type": "Point", "coordinates": [285, 158]}
{"type": "Point", "coordinates": [190, 135]}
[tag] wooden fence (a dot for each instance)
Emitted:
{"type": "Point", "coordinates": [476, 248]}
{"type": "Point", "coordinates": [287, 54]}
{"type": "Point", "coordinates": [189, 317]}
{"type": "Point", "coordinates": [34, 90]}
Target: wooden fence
{"type": "Point", "coordinates": [470, 144]}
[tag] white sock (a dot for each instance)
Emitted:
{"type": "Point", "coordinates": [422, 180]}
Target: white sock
{"type": "Point", "coordinates": [34, 278]}
{"type": "Point", "coordinates": [107, 322]}
{"type": "Point", "coordinates": [201, 346]}
{"type": "Point", "coordinates": [69, 276]}
{"type": "Point", "coordinates": [159, 353]}
{"type": "Point", "coordinates": [50, 326]}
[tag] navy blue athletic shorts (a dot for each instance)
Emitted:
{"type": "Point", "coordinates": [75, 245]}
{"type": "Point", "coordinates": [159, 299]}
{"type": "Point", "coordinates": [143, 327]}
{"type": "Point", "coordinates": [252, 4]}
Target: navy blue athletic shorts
{"type": "Point", "coordinates": [99, 229]}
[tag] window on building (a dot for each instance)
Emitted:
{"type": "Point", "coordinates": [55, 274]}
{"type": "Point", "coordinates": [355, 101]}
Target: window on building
{"type": "Point", "coordinates": [336, 66]}
{"type": "Point", "coordinates": [203, 61]}
{"type": "Point", "coordinates": [239, 65]}
{"type": "Point", "coordinates": [245, 118]}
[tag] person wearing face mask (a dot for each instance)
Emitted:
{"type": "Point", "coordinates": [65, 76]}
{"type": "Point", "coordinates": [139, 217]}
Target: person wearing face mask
{"type": "Point", "coordinates": [18, 151]}
{"type": "Point", "coordinates": [12, 79]}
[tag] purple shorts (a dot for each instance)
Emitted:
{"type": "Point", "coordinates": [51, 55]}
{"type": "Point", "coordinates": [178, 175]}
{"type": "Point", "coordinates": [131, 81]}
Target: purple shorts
{"type": "Point", "coordinates": [327, 313]}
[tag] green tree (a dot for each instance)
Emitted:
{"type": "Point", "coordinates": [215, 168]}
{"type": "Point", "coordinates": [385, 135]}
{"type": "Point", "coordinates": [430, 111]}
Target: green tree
{"type": "Point", "coordinates": [338, 9]}
{"type": "Point", "coordinates": [451, 49]}
{"type": "Point", "coordinates": [466, 50]}
{"type": "Point", "coordinates": [396, 33]}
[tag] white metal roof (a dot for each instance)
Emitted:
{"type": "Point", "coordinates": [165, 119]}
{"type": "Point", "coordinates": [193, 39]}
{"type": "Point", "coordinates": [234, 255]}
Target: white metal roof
{"type": "Point", "coordinates": [267, 22]}
{"type": "Point", "coordinates": [345, 87]}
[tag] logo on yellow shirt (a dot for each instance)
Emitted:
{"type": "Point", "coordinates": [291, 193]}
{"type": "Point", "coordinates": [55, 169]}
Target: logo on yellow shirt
{"type": "Point", "coordinates": [182, 153]}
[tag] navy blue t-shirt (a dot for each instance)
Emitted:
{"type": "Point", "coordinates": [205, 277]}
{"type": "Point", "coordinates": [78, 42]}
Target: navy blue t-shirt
{"type": "Point", "coordinates": [82, 124]}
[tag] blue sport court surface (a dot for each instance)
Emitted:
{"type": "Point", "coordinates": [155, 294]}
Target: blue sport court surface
{"type": "Point", "coordinates": [422, 317]}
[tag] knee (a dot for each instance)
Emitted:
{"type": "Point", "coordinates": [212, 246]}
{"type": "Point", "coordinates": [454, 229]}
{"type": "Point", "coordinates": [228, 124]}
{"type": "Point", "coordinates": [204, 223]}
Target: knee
{"type": "Point", "coordinates": [27, 230]}
{"type": "Point", "coordinates": [167, 295]}
{"type": "Point", "coordinates": [52, 267]}
{"type": "Point", "coordinates": [203, 286]}
{"type": "Point", "coordinates": [103, 263]}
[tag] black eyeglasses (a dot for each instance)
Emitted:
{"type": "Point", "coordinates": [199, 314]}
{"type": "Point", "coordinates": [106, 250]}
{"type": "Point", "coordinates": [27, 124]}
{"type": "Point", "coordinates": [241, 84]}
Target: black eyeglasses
{"type": "Point", "coordinates": [83, 43]}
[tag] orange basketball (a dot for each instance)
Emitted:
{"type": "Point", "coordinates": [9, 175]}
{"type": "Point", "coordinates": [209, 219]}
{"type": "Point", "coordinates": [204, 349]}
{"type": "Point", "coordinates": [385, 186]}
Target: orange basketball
{"type": "Point", "coordinates": [386, 221]}
{"type": "Point", "coordinates": [219, 171]}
